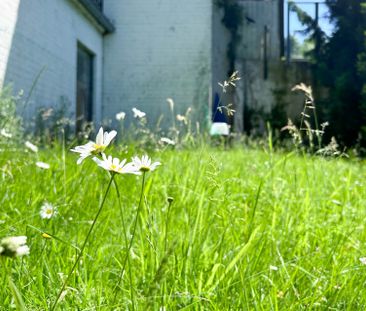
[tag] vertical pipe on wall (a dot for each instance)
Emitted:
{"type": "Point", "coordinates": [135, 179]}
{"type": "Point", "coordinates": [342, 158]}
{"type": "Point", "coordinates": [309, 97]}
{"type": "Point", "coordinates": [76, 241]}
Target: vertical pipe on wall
{"type": "Point", "coordinates": [288, 48]}
{"type": "Point", "coordinates": [281, 27]}
{"type": "Point", "coordinates": [265, 53]}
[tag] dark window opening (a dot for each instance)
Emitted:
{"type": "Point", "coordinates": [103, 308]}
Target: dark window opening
{"type": "Point", "coordinates": [298, 39]}
{"type": "Point", "coordinates": [84, 87]}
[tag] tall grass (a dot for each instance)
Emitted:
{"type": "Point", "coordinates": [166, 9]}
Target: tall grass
{"type": "Point", "coordinates": [243, 229]}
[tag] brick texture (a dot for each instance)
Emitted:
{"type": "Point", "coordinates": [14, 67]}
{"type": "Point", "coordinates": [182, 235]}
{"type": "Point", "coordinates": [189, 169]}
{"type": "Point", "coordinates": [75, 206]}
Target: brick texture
{"type": "Point", "coordinates": [161, 49]}
{"type": "Point", "coordinates": [42, 36]}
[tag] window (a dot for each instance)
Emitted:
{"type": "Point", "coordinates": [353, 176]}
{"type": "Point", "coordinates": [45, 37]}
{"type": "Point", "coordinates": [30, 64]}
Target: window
{"type": "Point", "coordinates": [84, 87]}
{"type": "Point", "coordinates": [299, 37]}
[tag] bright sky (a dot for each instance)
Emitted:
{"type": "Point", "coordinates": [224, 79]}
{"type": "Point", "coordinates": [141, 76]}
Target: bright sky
{"type": "Point", "coordinates": [309, 7]}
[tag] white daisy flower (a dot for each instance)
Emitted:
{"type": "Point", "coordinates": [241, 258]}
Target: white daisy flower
{"type": "Point", "coordinates": [31, 147]}
{"type": "Point", "coordinates": [14, 246]}
{"type": "Point", "coordinates": [120, 116]}
{"type": "Point", "coordinates": [363, 260]}
{"type": "Point", "coordinates": [92, 148]}
{"type": "Point", "coordinates": [5, 133]}
{"type": "Point", "coordinates": [167, 141]}
{"type": "Point", "coordinates": [48, 211]}
{"type": "Point", "coordinates": [273, 268]}
{"type": "Point", "coordinates": [144, 164]}
{"type": "Point", "coordinates": [22, 250]}
{"type": "Point", "coordinates": [116, 166]}
{"type": "Point", "coordinates": [138, 113]}
{"type": "Point", "coordinates": [43, 165]}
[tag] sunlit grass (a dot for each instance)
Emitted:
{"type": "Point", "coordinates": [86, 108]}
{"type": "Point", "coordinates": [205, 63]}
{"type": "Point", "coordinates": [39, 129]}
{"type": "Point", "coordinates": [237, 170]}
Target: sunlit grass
{"type": "Point", "coordinates": [234, 214]}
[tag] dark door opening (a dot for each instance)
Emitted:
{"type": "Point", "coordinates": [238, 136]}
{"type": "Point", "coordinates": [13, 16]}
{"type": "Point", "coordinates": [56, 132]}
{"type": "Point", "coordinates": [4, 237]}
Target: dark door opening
{"type": "Point", "coordinates": [84, 87]}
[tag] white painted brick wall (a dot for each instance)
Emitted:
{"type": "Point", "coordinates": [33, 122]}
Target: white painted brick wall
{"type": "Point", "coordinates": [8, 20]}
{"type": "Point", "coordinates": [161, 48]}
{"type": "Point", "coordinates": [36, 34]}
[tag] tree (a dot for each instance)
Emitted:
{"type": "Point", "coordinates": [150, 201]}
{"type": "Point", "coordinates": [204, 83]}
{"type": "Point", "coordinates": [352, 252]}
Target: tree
{"type": "Point", "coordinates": [339, 64]}
{"type": "Point", "coordinates": [341, 69]}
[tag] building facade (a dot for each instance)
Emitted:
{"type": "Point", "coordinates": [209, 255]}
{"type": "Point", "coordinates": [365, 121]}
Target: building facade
{"type": "Point", "coordinates": [102, 57]}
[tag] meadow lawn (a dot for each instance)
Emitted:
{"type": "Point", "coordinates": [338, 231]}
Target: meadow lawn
{"type": "Point", "coordinates": [247, 230]}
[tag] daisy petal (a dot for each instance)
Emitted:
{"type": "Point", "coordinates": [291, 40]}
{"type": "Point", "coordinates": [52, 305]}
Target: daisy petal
{"type": "Point", "coordinates": [109, 137]}
{"type": "Point", "coordinates": [99, 138]}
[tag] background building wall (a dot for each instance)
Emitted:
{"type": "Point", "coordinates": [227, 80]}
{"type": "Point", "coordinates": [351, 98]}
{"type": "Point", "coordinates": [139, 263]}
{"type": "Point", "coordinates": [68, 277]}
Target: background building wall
{"type": "Point", "coordinates": [8, 20]}
{"type": "Point", "coordinates": [220, 64]}
{"type": "Point", "coordinates": [161, 48]}
{"type": "Point", "coordinates": [266, 77]}
{"type": "Point", "coordinates": [39, 38]}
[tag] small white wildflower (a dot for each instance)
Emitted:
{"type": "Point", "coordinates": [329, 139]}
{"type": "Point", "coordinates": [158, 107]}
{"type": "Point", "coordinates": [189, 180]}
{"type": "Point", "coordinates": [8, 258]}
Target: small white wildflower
{"type": "Point", "coordinates": [144, 164]}
{"type": "Point", "coordinates": [120, 116]}
{"type": "Point", "coordinates": [363, 260]}
{"type": "Point", "coordinates": [22, 250]}
{"type": "Point", "coordinates": [170, 103]}
{"type": "Point", "coordinates": [14, 246]}
{"type": "Point", "coordinates": [273, 268]}
{"type": "Point", "coordinates": [5, 133]}
{"type": "Point", "coordinates": [43, 165]}
{"type": "Point", "coordinates": [63, 294]}
{"type": "Point", "coordinates": [181, 118]}
{"type": "Point", "coordinates": [167, 141]}
{"type": "Point", "coordinates": [61, 275]}
{"type": "Point", "coordinates": [133, 254]}
{"type": "Point", "coordinates": [31, 147]}
{"type": "Point", "coordinates": [116, 166]}
{"type": "Point", "coordinates": [336, 202]}
{"type": "Point", "coordinates": [138, 113]}
{"type": "Point", "coordinates": [102, 141]}
{"type": "Point", "coordinates": [48, 211]}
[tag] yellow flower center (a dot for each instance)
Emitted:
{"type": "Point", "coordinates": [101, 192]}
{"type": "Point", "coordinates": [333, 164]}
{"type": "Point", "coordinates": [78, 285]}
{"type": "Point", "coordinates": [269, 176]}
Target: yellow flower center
{"type": "Point", "coordinates": [113, 167]}
{"type": "Point", "coordinates": [98, 149]}
{"type": "Point", "coordinates": [49, 211]}
{"type": "Point", "coordinates": [46, 236]}
{"type": "Point", "coordinates": [144, 168]}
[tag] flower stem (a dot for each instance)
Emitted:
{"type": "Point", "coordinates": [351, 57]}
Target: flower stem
{"type": "Point", "coordinates": [132, 238]}
{"type": "Point", "coordinates": [126, 242]}
{"type": "Point", "coordinates": [167, 226]}
{"type": "Point", "coordinates": [84, 244]}
{"type": "Point", "coordinates": [5, 270]}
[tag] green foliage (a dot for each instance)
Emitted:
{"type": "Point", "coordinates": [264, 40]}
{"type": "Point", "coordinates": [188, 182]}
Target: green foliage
{"type": "Point", "coordinates": [340, 67]}
{"type": "Point", "coordinates": [10, 122]}
{"type": "Point", "coordinates": [52, 124]}
{"type": "Point", "coordinates": [300, 50]}
{"type": "Point", "coordinates": [232, 20]}
{"type": "Point", "coordinates": [315, 35]}
{"type": "Point", "coordinates": [247, 230]}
